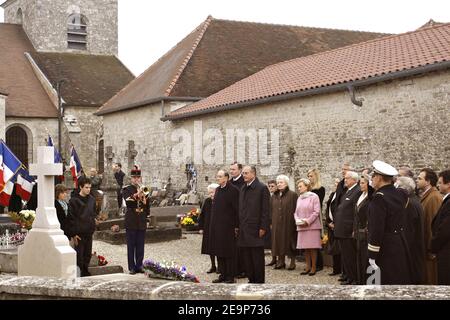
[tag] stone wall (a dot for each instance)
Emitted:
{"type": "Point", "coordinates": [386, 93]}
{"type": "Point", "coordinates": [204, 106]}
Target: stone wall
{"type": "Point", "coordinates": [86, 138]}
{"type": "Point", "coordinates": [45, 22]}
{"type": "Point", "coordinates": [2, 116]}
{"type": "Point", "coordinates": [401, 122]}
{"type": "Point", "coordinates": [37, 130]}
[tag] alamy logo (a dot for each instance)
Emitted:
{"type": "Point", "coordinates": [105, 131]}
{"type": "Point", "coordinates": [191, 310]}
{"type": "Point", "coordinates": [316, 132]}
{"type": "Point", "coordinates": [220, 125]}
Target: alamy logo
{"type": "Point", "coordinates": [215, 147]}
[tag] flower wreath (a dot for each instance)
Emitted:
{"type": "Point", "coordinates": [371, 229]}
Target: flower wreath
{"type": "Point", "coordinates": [168, 271]}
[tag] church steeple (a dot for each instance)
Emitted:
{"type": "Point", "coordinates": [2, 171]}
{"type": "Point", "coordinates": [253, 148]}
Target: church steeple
{"type": "Point", "coordinates": [82, 26]}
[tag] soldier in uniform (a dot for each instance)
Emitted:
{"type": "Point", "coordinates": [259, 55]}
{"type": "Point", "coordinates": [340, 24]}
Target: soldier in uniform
{"type": "Point", "coordinates": [387, 247]}
{"type": "Point", "coordinates": [138, 209]}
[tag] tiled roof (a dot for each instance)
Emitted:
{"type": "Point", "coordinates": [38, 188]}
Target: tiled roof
{"type": "Point", "coordinates": [219, 52]}
{"type": "Point", "coordinates": [26, 97]}
{"type": "Point", "coordinates": [90, 80]}
{"type": "Point", "coordinates": [369, 60]}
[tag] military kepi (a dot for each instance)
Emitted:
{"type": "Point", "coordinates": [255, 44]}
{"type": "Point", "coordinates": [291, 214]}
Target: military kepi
{"type": "Point", "coordinates": [135, 173]}
{"type": "Point", "coordinates": [384, 169]}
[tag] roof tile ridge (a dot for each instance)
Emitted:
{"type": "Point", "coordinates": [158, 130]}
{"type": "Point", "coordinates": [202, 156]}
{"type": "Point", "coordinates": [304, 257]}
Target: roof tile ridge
{"type": "Point", "coordinates": [189, 55]}
{"type": "Point", "coordinates": [358, 44]}
{"type": "Point", "coordinates": [145, 72]}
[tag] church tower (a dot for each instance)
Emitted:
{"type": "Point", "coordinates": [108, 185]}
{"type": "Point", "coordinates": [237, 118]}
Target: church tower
{"type": "Point", "coordinates": [80, 26]}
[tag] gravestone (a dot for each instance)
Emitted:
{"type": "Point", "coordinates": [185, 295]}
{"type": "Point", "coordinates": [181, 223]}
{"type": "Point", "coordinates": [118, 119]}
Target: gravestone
{"type": "Point", "coordinates": [110, 186]}
{"type": "Point", "coordinates": [46, 251]}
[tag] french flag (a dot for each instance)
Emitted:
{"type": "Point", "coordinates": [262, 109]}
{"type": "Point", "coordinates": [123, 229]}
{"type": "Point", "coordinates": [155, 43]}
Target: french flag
{"type": "Point", "coordinates": [58, 158]}
{"type": "Point", "coordinates": [75, 166]}
{"type": "Point", "coordinates": [9, 166]}
{"type": "Point", "coordinates": [24, 185]}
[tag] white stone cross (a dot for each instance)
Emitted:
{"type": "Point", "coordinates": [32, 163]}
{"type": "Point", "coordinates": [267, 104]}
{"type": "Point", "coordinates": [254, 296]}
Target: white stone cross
{"type": "Point", "coordinates": [45, 170]}
{"type": "Point", "coordinates": [46, 251]}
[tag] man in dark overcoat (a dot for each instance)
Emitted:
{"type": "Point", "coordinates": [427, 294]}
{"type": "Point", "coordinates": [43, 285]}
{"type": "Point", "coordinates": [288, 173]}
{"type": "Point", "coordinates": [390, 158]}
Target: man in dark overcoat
{"type": "Point", "coordinates": [224, 221]}
{"type": "Point", "coordinates": [440, 243]}
{"type": "Point", "coordinates": [254, 208]}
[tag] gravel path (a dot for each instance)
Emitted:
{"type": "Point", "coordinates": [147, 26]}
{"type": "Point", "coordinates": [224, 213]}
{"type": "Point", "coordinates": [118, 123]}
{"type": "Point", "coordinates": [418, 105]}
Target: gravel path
{"type": "Point", "coordinates": [186, 251]}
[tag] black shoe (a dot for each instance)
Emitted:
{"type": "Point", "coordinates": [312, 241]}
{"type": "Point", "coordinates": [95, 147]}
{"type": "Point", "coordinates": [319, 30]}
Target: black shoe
{"type": "Point", "coordinates": [283, 266]}
{"type": "Point", "coordinates": [291, 267]}
{"type": "Point", "coordinates": [304, 273]}
{"type": "Point", "coordinates": [140, 271]}
{"type": "Point", "coordinates": [312, 274]}
{"type": "Point", "coordinates": [241, 276]}
{"type": "Point", "coordinates": [341, 279]}
{"type": "Point", "coordinates": [132, 272]}
{"type": "Point", "coordinates": [219, 280]}
{"type": "Point", "coordinates": [271, 263]}
{"type": "Point", "coordinates": [229, 281]}
{"type": "Point", "coordinates": [212, 270]}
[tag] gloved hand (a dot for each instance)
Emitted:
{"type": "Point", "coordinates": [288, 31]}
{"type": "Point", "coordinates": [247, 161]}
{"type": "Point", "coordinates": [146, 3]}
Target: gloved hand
{"type": "Point", "coordinates": [373, 264]}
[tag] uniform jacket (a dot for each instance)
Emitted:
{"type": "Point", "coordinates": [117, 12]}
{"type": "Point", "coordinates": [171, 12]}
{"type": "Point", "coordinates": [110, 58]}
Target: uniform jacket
{"type": "Point", "coordinates": [254, 203]}
{"type": "Point", "coordinates": [387, 242]}
{"type": "Point", "coordinates": [136, 213]}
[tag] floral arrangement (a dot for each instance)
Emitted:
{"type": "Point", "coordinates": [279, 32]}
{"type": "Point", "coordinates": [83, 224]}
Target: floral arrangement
{"type": "Point", "coordinates": [325, 240]}
{"type": "Point", "coordinates": [191, 218]}
{"type": "Point", "coordinates": [168, 271]}
{"type": "Point", "coordinates": [24, 218]}
{"type": "Point", "coordinates": [101, 260]}
{"type": "Point", "coordinates": [12, 241]}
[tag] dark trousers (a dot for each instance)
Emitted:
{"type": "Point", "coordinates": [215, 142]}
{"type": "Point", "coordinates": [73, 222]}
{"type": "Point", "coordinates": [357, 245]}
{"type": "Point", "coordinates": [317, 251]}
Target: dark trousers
{"type": "Point", "coordinates": [135, 249]}
{"type": "Point", "coordinates": [337, 264]}
{"type": "Point", "coordinates": [119, 198]}
{"type": "Point", "coordinates": [348, 254]}
{"type": "Point", "coordinates": [226, 268]}
{"type": "Point", "coordinates": [84, 253]}
{"type": "Point", "coordinates": [362, 261]}
{"type": "Point", "coordinates": [254, 263]}
{"type": "Point", "coordinates": [239, 266]}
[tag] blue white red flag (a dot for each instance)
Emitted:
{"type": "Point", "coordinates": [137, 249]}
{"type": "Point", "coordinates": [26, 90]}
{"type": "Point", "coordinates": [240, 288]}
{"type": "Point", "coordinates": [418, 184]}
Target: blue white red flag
{"type": "Point", "coordinates": [75, 166]}
{"type": "Point", "coordinates": [9, 166]}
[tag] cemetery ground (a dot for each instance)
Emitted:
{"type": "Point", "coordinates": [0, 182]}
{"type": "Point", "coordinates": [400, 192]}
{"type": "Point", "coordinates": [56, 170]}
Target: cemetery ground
{"type": "Point", "coordinates": [186, 252]}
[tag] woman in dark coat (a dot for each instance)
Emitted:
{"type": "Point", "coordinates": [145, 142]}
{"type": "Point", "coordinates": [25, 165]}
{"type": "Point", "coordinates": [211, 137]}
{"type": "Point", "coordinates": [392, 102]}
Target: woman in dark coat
{"type": "Point", "coordinates": [62, 208]}
{"type": "Point", "coordinates": [284, 231]}
{"type": "Point", "coordinates": [360, 228]}
{"type": "Point", "coordinates": [204, 222]}
{"type": "Point", "coordinates": [314, 177]}
{"type": "Point", "coordinates": [333, 246]}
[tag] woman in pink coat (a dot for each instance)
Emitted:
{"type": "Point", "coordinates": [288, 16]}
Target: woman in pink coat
{"type": "Point", "coordinates": [308, 225]}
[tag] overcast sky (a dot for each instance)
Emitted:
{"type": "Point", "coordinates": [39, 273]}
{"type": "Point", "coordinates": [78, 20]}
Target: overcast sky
{"type": "Point", "coordinates": [148, 29]}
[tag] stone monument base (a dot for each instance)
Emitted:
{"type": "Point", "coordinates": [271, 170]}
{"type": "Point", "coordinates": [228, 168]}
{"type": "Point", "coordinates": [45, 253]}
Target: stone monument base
{"type": "Point", "coordinates": [46, 252]}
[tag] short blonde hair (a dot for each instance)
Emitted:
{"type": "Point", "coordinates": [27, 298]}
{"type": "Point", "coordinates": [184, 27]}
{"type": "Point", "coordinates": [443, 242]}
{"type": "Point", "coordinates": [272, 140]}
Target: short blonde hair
{"type": "Point", "coordinates": [306, 182]}
{"type": "Point", "coordinates": [317, 184]}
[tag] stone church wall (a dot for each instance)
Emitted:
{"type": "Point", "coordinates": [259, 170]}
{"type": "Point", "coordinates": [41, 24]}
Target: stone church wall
{"type": "Point", "coordinates": [2, 116]}
{"type": "Point", "coordinates": [401, 122]}
{"type": "Point", "coordinates": [37, 130]}
{"type": "Point", "coordinates": [45, 22]}
{"type": "Point", "coordinates": [86, 141]}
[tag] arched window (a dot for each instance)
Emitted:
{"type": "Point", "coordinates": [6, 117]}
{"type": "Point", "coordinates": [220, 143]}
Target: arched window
{"type": "Point", "coordinates": [101, 156]}
{"type": "Point", "coordinates": [20, 16]}
{"type": "Point", "coordinates": [77, 32]}
{"type": "Point", "coordinates": [17, 141]}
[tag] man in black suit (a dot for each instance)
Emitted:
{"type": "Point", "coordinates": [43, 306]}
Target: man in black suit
{"type": "Point", "coordinates": [119, 175]}
{"type": "Point", "coordinates": [254, 202]}
{"type": "Point", "coordinates": [440, 243]}
{"type": "Point", "coordinates": [237, 180]}
{"type": "Point", "coordinates": [343, 225]}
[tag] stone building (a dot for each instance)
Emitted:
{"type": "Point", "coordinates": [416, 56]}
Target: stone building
{"type": "Point", "coordinates": [71, 45]}
{"type": "Point", "coordinates": [214, 56]}
{"type": "Point", "coordinates": [386, 99]}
